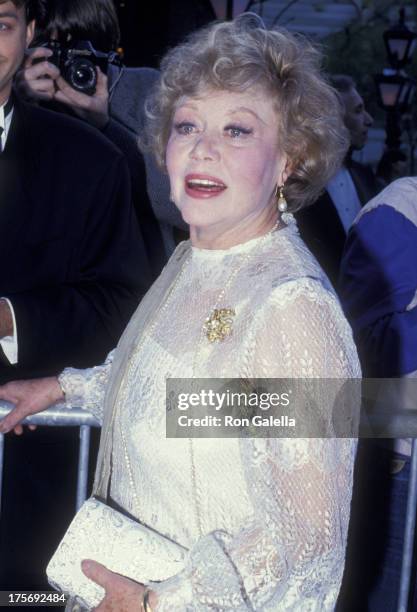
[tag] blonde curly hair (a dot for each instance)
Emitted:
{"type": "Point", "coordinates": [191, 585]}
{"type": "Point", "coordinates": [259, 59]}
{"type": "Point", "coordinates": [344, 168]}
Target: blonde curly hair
{"type": "Point", "coordinates": [242, 54]}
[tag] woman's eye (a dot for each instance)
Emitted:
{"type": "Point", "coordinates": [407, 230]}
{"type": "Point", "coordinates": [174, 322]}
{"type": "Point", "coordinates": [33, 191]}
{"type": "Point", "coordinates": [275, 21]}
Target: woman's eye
{"type": "Point", "coordinates": [3, 27]}
{"type": "Point", "coordinates": [236, 131]}
{"type": "Point", "coordinates": [184, 128]}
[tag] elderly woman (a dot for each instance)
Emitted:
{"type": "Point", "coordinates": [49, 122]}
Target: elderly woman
{"type": "Point", "coordinates": [246, 127]}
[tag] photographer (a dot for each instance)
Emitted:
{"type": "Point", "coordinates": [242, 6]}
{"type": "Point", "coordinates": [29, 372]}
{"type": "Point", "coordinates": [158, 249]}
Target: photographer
{"type": "Point", "coordinates": [115, 107]}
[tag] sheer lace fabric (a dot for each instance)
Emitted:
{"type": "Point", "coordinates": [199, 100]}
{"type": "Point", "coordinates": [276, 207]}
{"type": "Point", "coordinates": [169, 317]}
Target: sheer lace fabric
{"type": "Point", "coordinates": [266, 521]}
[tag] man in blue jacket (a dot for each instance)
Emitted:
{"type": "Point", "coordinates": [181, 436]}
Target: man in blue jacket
{"type": "Point", "coordinates": [378, 288]}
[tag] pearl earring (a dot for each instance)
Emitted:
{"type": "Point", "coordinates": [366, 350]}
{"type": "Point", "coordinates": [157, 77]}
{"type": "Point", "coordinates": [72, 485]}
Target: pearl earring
{"type": "Point", "coordinates": [282, 202]}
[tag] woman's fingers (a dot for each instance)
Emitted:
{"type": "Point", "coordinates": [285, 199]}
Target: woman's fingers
{"type": "Point", "coordinates": [29, 397]}
{"type": "Point", "coordinates": [14, 418]}
{"type": "Point", "coordinates": [11, 392]}
{"type": "Point", "coordinates": [97, 572]}
{"type": "Point", "coordinates": [121, 593]}
{"type": "Point", "coordinates": [19, 430]}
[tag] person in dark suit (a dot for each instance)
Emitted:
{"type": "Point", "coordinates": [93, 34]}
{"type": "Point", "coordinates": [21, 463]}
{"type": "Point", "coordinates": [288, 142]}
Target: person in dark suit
{"type": "Point", "coordinates": [324, 225]}
{"type": "Point", "coordinates": [73, 270]}
{"type": "Point", "coordinates": [76, 265]}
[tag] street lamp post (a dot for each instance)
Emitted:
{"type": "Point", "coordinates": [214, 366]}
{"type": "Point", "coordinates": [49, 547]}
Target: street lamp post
{"type": "Point", "coordinates": [395, 89]}
{"type": "Point", "coordinates": [399, 43]}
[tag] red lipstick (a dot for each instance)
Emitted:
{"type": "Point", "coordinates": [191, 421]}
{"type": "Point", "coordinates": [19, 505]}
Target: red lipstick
{"type": "Point", "coordinates": [203, 186]}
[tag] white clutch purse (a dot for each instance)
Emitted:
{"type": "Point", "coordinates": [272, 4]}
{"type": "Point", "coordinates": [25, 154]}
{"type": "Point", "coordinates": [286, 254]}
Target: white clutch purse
{"type": "Point", "coordinates": [124, 546]}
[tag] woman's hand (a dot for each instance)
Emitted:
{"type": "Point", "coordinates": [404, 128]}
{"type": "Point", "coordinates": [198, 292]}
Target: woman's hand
{"type": "Point", "coordinates": [122, 594]}
{"type": "Point", "coordinates": [29, 397]}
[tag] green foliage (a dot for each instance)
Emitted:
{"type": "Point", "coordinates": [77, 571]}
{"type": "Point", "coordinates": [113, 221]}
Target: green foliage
{"type": "Point", "coordinates": [359, 49]}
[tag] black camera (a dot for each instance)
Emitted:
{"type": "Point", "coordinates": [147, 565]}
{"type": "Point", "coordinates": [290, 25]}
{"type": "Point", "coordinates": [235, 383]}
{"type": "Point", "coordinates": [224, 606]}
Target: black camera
{"type": "Point", "coordinates": [78, 61]}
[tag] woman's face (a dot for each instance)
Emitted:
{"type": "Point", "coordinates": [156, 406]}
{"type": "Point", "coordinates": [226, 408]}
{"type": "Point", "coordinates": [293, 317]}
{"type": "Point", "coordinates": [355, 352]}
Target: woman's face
{"type": "Point", "coordinates": [224, 161]}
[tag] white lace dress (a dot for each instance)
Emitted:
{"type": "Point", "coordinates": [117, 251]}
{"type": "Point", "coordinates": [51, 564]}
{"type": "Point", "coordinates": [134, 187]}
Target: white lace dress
{"type": "Point", "coordinates": [266, 520]}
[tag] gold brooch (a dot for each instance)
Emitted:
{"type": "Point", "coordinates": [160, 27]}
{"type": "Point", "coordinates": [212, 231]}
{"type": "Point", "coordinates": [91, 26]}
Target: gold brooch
{"type": "Point", "coordinates": [219, 324]}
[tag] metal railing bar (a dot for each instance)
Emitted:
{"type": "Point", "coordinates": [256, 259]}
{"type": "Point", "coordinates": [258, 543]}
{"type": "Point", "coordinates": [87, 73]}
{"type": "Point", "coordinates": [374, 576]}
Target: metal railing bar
{"type": "Point", "coordinates": [60, 416]}
{"type": "Point", "coordinates": [57, 416]}
{"type": "Point", "coordinates": [409, 531]}
{"type": "Point", "coordinates": [82, 476]}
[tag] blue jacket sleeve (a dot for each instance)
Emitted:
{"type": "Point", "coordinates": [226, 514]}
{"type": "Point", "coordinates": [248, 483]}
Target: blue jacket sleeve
{"type": "Point", "coordinates": [378, 284]}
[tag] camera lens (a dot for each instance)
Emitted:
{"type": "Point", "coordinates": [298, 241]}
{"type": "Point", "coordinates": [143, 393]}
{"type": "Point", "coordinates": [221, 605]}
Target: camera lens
{"type": "Point", "coordinates": [81, 75]}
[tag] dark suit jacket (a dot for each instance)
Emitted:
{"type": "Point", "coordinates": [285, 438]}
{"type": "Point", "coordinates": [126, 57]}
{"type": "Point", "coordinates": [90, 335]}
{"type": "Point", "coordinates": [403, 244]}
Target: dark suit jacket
{"type": "Point", "coordinates": [320, 226]}
{"type": "Point", "coordinates": [73, 261]}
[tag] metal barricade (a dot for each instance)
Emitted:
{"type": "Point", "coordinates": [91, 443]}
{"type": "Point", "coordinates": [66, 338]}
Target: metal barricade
{"type": "Point", "coordinates": [60, 416]}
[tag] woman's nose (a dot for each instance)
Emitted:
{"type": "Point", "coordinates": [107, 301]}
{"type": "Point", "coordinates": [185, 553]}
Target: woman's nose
{"type": "Point", "coordinates": [205, 148]}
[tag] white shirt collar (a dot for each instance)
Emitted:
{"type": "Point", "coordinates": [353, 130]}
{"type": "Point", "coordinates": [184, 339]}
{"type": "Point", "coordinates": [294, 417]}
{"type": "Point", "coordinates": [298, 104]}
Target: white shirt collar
{"type": "Point", "coordinates": [6, 114]}
{"type": "Point", "coordinates": [342, 191]}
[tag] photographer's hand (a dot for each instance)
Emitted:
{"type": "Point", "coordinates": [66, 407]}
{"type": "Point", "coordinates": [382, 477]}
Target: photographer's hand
{"type": "Point", "coordinates": [95, 108]}
{"type": "Point", "coordinates": [36, 81]}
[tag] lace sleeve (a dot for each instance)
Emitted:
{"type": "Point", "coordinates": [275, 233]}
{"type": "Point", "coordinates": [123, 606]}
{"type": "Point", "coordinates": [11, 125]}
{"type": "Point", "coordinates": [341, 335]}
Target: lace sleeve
{"type": "Point", "coordinates": [290, 554]}
{"type": "Point", "coordinates": [86, 388]}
